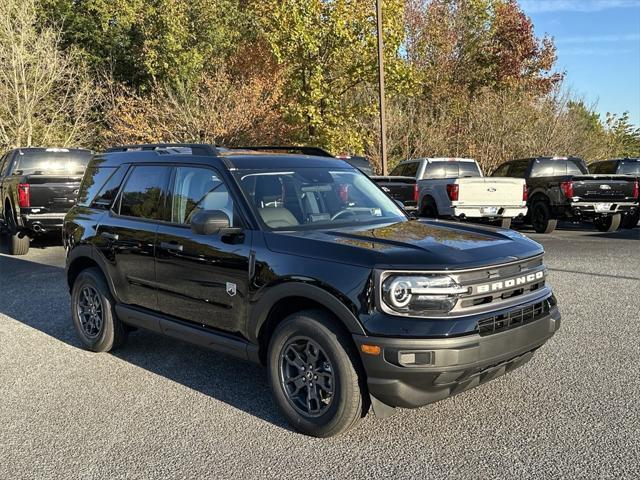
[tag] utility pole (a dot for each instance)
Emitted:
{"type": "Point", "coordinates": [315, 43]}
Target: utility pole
{"type": "Point", "coordinates": [383, 118]}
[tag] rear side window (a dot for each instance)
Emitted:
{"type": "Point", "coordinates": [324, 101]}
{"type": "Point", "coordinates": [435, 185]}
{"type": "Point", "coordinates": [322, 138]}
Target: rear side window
{"type": "Point", "coordinates": [519, 169]}
{"type": "Point", "coordinates": [411, 169]}
{"type": "Point", "coordinates": [604, 168]}
{"type": "Point", "coordinates": [93, 180]}
{"type": "Point", "coordinates": [501, 171]}
{"type": "Point", "coordinates": [143, 193]}
{"type": "Point", "coordinates": [630, 167]}
{"type": "Point", "coordinates": [109, 191]}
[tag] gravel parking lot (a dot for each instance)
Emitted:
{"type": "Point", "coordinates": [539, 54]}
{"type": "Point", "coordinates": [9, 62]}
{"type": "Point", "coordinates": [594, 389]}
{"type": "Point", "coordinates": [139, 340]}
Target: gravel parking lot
{"type": "Point", "coordinates": [158, 408]}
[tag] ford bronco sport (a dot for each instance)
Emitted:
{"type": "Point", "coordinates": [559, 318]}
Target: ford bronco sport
{"type": "Point", "coordinates": [305, 265]}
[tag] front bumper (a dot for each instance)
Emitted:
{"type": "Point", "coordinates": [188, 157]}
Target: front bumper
{"type": "Point", "coordinates": [487, 212]}
{"type": "Point", "coordinates": [447, 366]}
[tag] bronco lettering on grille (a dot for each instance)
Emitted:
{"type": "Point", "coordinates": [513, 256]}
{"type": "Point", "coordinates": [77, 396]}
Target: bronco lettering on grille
{"type": "Point", "coordinates": [510, 283]}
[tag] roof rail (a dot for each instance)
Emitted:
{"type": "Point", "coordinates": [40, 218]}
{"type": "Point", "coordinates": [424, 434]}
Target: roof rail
{"type": "Point", "coordinates": [204, 149]}
{"type": "Point", "coordinates": [305, 150]}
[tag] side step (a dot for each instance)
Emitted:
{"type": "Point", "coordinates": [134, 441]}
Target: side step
{"type": "Point", "coordinates": [183, 331]}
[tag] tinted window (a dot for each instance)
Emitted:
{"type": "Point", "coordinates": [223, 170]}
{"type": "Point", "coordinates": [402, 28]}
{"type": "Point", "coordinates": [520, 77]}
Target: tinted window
{"type": "Point", "coordinates": [143, 192]}
{"type": "Point", "coordinates": [460, 169]}
{"type": "Point", "coordinates": [605, 168]}
{"type": "Point", "coordinates": [557, 168]}
{"type": "Point", "coordinates": [52, 160]}
{"type": "Point", "coordinates": [197, 189]}
{"type": "Point", "coordinates": [630, 167]}
{"type": "Point", "coordinates": [411, 169]}
{"type": "Point", "coordinates": [501, 171]}
{"type": "Point", "coordinates": [519, 169]}
{"type": "Point", "coordinates": [109, 191]}
{"type": "Point", "coordinates": [435, 170]}
{"type": "Point", "coordinates": [397, 172]}
{"type": "Point", "coordinates": [92, 181]}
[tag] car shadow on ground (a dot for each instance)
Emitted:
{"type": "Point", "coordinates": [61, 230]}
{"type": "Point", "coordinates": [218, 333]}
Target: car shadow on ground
{"type": "Point", "coordinates": [240, 384]}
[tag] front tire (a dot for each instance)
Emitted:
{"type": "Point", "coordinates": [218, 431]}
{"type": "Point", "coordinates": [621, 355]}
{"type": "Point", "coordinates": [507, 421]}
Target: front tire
{"type": "Point", "coordinates": [93, 313]}
{"type": "Point", "coordinates": [609, 223]}
{"type": "Point", "coordinates": [541, 220]}
{"type": "Point", "coordinates": [315, 374]}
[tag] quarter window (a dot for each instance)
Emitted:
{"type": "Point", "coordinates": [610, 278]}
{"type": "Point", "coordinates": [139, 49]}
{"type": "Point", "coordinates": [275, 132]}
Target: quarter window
{"type": "Point", "coordinates": [197, 189]}
{"type": "Point", "coordinates": [143, 194]}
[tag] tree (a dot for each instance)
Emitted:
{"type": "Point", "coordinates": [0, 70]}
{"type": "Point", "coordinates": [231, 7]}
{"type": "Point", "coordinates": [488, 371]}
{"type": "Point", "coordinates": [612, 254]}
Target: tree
{"type": "Point", "coordinates": [623, 137]}
{"type": "Point", "coordinates": [46, 96]}
{"type": "Point", "coordinates": [328, 48]}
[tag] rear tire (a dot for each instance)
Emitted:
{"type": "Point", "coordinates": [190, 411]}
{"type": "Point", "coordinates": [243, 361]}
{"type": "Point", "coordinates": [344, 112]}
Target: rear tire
{"type": "Point", "coordinates": [93, 312]}
{"type": "Point", "coordinates": [308, 347]}
{"type": "Point", "coordinates": [429, 209]}
{"type": "Point", "coordinates": [631, 221]}
{"type": "Point", "coordinates": [609, 223]}
{"type": "Point", "coordinates": [19, 243]}
{"type": "Point", "coordinates": [541, 220]}
{"type": "Point", "coordinates": [505, 223]}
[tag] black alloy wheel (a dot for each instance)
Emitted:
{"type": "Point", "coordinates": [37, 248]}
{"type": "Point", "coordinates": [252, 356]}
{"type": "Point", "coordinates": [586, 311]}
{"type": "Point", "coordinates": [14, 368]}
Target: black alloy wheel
{"type": "Point", "coordinates": [541, 220]}
{"type": "Point", "coordinates": [306, 376]}
{"type": "Point", "coordinates": [90, 311]}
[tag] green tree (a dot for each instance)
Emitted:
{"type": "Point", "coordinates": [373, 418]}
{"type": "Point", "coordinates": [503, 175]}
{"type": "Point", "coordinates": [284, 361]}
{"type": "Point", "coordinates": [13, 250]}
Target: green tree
{"type": "Point", "coordinates": [328, 48]}
{"type": "Point", "coordinates": [623, 137]}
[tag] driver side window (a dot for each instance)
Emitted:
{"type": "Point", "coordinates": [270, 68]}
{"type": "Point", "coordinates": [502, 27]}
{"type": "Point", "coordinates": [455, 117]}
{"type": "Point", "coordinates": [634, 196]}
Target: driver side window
{"type": "Point", "coordinates": [196, 189]}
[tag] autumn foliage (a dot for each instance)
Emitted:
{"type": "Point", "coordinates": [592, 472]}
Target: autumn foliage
{"type": "Point", "coordinates": [464, 77]}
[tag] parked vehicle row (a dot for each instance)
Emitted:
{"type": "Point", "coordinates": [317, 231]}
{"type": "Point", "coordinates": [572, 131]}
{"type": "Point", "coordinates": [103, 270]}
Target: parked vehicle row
{"type": "Point", "coordinates": [539, 191]}
{"type": "Point", "coordinates": [37, 188]}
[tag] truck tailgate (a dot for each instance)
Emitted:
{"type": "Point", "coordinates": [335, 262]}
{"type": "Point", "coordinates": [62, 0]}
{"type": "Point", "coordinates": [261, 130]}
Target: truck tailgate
{"type": "Point", "coordinates": [603, 188]}
{"type": "Point", "coordinates": [398, 188]}
{"type": "Point", "coordinates": [488, 191]}
{"type": "Point", "coordinates": [54, 193]}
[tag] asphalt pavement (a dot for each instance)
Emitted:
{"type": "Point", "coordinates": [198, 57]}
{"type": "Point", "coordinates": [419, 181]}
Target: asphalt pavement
{"type": "Point", "coordinates": [158, 408]}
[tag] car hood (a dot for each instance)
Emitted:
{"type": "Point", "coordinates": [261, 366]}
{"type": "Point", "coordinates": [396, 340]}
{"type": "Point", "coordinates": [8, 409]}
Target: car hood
{"type": "Point", "coordinates": [414, 244]}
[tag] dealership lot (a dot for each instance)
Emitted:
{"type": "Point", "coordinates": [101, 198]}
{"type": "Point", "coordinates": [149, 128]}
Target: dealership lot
{"type": "Point", "coordinates": [160, 408]}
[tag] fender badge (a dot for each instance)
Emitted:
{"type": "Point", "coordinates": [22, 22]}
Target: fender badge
{"type": "Point", "coordinates": [231, 289]}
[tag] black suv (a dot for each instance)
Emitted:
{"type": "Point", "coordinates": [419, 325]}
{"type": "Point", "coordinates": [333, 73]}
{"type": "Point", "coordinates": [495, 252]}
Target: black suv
{"type": "Point", "coordinates": [303, 264]}
{"type": "Point", "coordinates": [621, 166]}
{"type": "Point", "coordinates": [38, 186]}
{"type": "Point", "coordinates": [561, 188]}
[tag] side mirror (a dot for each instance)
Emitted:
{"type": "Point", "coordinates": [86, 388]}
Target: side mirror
{"type": "Point", "coordinates": [209, 222]}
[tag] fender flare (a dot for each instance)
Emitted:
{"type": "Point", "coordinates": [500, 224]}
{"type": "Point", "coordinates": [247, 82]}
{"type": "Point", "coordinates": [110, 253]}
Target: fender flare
{"type": "Point", "coordinates": [260, 310]}
{"type": "Point", "coordinates": [85, 251]}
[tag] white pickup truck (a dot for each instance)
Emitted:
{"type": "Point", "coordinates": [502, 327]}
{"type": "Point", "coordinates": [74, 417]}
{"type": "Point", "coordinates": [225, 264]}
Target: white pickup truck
{"type": "Point", "coordinates": [455, 187]}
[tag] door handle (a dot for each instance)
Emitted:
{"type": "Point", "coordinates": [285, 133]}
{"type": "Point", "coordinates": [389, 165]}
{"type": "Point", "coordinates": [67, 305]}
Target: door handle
{"type": "Point", "coordinates": [176, 247]}
{"type": "Point", "coordinates": [110, 236]}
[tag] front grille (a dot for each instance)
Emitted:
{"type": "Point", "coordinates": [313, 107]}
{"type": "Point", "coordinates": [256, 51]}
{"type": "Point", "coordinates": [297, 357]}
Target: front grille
{"type": "Point", "coordinates": [514, 319]}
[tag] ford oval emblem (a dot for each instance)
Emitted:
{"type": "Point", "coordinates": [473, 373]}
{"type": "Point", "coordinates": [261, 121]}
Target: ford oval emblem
{"type": "Point", "coordinates": [605, 187]}
{"type": "Point", "coordinates": [491, 189]}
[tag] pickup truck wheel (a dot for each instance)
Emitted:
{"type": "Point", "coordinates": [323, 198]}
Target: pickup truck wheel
{"type": "Point", "coordinates": [18, 241]}
{"type": "Point", "coordinates": [19, 244]}
{"type": "Point", "coordinates": [429, 210]}
{"type": "Point", "coordinates": [541, 220]}
{"type": "Point", "coordinates": [609, 223]}
{"type": "Point", "coordinates": [92, 310]}
{"type": "Point", "coordinates": [505, 223]}
{"type": "Point", "coordinates": [315, 375]}
{"type": "Point", "coordinates": [631, 221]}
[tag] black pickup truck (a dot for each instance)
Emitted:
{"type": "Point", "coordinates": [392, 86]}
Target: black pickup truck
{"type": "Point", "coordinates": [621, 166]}
{"type": "Point", "coordinates": [37, 188]}
{"type": "Point", "coordinates": [402, 184]}
{"type": "Point", "coordinates": [562, 188]}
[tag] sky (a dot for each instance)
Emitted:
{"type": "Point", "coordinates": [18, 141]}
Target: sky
{"type": "Point", "coordinates": [598, 47]}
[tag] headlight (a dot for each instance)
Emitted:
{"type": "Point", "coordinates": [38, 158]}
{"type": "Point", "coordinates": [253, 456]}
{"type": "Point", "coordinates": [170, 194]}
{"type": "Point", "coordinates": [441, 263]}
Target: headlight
{"type": "Point", "coordinates": [421, 294]}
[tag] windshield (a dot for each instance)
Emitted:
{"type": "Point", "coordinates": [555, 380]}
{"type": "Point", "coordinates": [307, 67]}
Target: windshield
{"type": "Point", "coordinates": [315, 198]}
{"type": "Point", "coordinates": [56, 161]}
{"type": "Point", "coordinates": [630, 168]}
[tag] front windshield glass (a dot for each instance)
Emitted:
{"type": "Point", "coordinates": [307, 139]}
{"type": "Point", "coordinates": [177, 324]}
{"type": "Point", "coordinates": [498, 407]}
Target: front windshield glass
{"type": "Point", "coordinates": [316, 198]}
